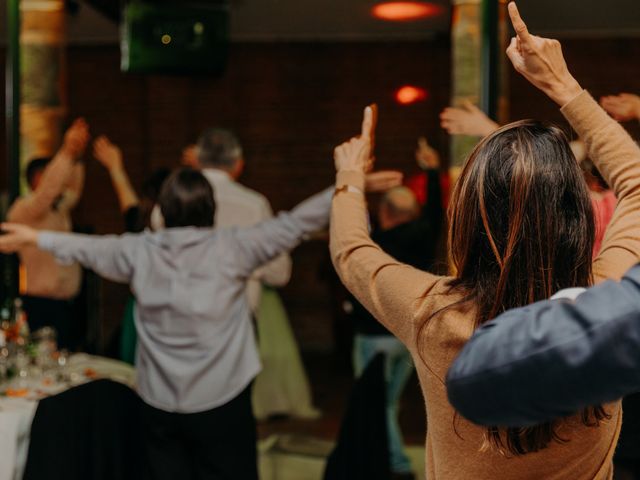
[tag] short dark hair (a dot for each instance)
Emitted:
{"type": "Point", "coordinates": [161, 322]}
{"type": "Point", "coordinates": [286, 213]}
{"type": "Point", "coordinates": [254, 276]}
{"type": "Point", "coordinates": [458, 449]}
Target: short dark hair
{"type": "Point", "coordinates": [35, 166]}
{"type": "Point", "coordinates": [218, 147]}
{"type": "Point", "coordinates": [186, 200]}
{"type": "Point", "coordinates": [153, 183]}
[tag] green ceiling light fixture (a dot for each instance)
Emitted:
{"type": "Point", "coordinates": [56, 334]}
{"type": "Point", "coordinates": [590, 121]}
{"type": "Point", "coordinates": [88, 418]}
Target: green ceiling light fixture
{"type": "Point", "coordinates": [478, 72]}
{"type": "Point", "coordinates": [175, 38]}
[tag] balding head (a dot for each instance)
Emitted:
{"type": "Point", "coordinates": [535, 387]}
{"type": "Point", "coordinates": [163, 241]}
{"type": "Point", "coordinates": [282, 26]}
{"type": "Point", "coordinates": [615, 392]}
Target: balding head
{"type": "Point", "coordinates": [399, 205]}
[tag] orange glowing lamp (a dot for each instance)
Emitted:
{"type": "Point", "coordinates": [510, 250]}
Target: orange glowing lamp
{"type": "Point", "coordinates": [405, 11]}
{"type": "Point", "coordinates": [409, 94]}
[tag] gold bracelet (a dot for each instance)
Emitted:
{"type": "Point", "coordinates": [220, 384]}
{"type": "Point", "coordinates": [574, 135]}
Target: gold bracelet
{"type": "Point", "coordinates": [348, 188]}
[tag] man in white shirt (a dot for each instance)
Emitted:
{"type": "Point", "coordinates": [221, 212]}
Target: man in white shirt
{"type": "Point", "coordinates": [219, 155]}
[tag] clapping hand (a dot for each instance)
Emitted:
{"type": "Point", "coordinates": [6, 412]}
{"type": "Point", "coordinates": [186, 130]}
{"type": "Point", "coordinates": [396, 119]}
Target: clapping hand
{"type": "Point", "coordinates": [107, 153]}
{"type": "Point", "coordinates": [622, 107]}
{"type": "Point", "coordinates": [15, 236]}
{"type": "Point", "coordinates": [540, 61]}
{"type": "Point", "coordinates": [76, 138]}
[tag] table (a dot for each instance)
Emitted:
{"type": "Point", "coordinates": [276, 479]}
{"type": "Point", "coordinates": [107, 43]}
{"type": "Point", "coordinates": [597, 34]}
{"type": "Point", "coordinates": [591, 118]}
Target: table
{"type": "Point", "coordinates": [16, 414]}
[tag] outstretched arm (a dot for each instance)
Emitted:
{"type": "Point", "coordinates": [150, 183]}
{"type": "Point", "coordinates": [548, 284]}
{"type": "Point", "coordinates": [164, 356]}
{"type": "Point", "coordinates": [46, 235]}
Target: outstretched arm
{"type": "Point", "coordinates": [613, 151]}
{"type": "Point", "coordinates": [565, 356]}
{"type": "Point", "coordinates": [551, 359]}
{"type": "Point", "coordinates": [253, 246]}
{"type": "Point", "coordinates": [110, 256]}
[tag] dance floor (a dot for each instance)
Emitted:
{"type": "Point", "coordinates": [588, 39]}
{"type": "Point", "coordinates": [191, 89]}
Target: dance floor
{"type": "Point", "coordinates": [296, 449]}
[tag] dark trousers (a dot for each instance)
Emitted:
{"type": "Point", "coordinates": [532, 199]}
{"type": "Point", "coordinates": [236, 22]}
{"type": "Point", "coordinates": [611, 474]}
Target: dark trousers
{"type": "Point", "coordinates": [218, 444]}
{"type": "Point", "coordinates": [48, 312]}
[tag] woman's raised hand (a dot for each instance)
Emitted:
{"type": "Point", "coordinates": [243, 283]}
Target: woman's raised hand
{"type": "Point", "coordinates": [15, 236]}
{"type": "Point", "coordinates": [355, 154]}
{"type": "Point", "coordinates": [540, 61]}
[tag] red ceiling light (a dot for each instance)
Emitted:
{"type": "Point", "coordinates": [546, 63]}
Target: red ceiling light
{"type": "Point", "coordinates": [405, 11]}
{"type": "Point", "coordinates": [409, 94]}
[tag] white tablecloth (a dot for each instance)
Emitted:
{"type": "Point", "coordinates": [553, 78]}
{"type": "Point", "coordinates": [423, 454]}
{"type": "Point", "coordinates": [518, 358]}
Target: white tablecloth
{"type": "Point", "coordinates": [16, 414]}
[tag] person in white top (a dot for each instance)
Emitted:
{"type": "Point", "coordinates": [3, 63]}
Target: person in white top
{"type": "Point", "coordinates": [282, 387]}
{"type": "Point", "coordinates": [219, 155]}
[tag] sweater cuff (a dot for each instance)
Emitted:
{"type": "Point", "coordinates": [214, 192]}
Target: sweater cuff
{"type": "Point", "coordinates": [583, 112]}
{"type": "Point", "coordinates": [350, 177]}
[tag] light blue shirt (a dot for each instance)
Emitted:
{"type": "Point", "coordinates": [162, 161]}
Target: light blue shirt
{"type": "Point", "coordinates": [196, 349]}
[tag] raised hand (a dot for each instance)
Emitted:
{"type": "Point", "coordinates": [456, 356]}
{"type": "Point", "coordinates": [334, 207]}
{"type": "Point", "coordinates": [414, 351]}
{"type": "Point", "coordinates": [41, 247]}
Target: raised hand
{"type": "Point", "coordinates": [467, 120]}
{"type": "Point", "coordinates": [382, 181]}
{"type": "Point", "coordinates": [540, 61]}
{"type": "Point", "coordinates": [622, 107]}
{"type": "Point", "coordinates": [107, 153]}
{"type": "Point", "coordinates": [355, 154]}
{"type": "Point", "coordinates": [15, 236]}
{"type": "Point", "coordinates": [190, 157]}
{"type": "Point", "coordinates": [76, 138]}
{"type": "Point", "coordinates": [426, 156]}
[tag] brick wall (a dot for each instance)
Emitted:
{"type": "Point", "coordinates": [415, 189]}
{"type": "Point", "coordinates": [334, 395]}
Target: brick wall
{"type": "Point", "coordinates": [291, 104]}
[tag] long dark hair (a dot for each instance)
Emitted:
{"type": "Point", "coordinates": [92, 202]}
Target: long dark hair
{"type": "Point", "coordinates": [521, 228]}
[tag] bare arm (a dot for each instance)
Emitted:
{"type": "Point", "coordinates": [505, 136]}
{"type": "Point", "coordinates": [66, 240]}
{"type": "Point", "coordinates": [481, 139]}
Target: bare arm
{"type": "Point", "coordinates": [75, 186]}
{"type": "Point", "coordinates": [55, 177]}
{"type": "Point", "coordinates": [110, 157]}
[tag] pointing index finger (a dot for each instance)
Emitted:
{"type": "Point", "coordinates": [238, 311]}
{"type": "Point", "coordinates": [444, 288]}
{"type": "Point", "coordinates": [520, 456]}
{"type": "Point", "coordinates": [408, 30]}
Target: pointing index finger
{"type": "Point", "coordinates": [518, 24]}
{"type": "Point", "coordinates": [367, 122]}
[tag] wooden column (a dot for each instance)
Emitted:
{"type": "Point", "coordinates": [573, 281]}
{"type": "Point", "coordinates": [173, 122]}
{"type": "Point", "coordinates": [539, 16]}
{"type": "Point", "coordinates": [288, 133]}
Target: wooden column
{"type": "Point", "coordinates": [43, 78]}
{"type": "Point", "coordinates": [9, 263]}
{"type": "Point", "coordinates": [475, 68]}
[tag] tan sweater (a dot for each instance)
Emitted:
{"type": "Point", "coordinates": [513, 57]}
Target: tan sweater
{"type": "Point", "coordinates": [402, 297]}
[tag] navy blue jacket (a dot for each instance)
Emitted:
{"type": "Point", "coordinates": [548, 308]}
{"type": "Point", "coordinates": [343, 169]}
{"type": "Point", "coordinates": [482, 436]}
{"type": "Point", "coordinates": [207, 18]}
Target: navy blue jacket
{"type": "Point", "coordinates": [552, 358]}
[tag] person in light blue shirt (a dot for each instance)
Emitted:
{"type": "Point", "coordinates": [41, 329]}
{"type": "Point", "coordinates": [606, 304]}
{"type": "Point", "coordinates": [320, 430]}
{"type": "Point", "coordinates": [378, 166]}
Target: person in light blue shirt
{"type": "Point", "coordinates": [197, 354]}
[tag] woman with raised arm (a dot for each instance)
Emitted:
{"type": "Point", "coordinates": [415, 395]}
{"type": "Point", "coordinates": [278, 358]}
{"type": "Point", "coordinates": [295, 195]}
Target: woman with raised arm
{"type": "Point", "coordinates": [521, 228]}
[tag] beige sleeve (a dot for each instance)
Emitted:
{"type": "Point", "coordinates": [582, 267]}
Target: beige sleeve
{"type": "Point", "coordinates": [394, 293]}
{"type": "Point", "coordinates": [617, 157]}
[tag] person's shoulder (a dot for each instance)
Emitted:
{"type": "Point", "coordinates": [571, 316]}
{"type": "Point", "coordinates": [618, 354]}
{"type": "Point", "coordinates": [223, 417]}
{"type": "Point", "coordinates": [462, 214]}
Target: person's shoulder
{"type": "Point", "coordinates": [250, 194]}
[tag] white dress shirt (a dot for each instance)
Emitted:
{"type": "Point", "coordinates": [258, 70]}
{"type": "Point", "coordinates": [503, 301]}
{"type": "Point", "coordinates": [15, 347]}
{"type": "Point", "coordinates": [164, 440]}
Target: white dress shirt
{"type": "Point", "coordinates": [239, 206]}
